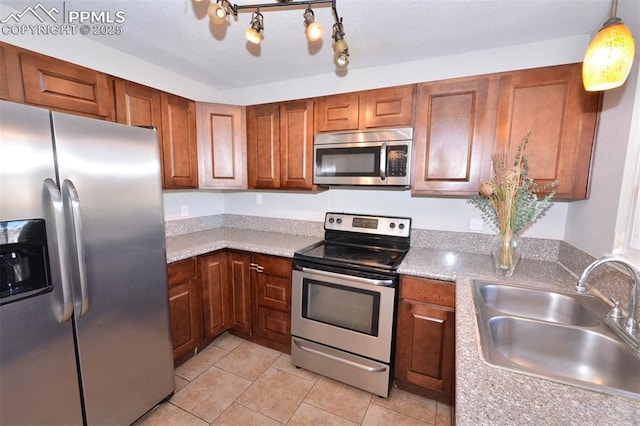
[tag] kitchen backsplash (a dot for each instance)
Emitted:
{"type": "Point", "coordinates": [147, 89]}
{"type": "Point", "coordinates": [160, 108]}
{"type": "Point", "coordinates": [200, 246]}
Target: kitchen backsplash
{"type": "Point", "coordinates": [532, 248]}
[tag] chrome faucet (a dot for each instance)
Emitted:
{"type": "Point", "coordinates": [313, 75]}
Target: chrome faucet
{"type": "Point", "coordinates": [630, 326]}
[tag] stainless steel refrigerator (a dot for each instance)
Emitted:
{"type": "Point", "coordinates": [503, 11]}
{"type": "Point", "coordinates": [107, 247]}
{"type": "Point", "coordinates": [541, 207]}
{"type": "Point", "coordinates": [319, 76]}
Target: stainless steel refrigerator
{"type": "Point", "coordinates": [84, 316]}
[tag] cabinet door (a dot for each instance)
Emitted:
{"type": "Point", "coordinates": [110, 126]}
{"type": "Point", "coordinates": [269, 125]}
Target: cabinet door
{"type": "Point", "coordinates": [61, 85]}
{"type": "Point", "coordinates": [389, 107]}
{"type": "Point", "coordinates": [222, 154]}
{"type": "Point", "coordinates": [240, 292]}
{"type": "Point", "coordinates": [137, 105]}
{"type": "Point", "coordinates": [214, 275]}
{"type": "Point", "coordinates": [296, 145]}
{"type": "Point", "coordinates": [185, 307]}
{"type": "Point", "coordinates": [179, 158]}
{"type": "Point", "coordinates": [272, 282]}
{"type": "Point", "coordinates": [425, 345]}
{"type": "Point", "coordinates": [11, 84]}
{"type": "Point", "coordinates": [552, 104]}
{"type": "Point", "coordinates": [425, 338]}
{"type": "Point", "coordinates": [452, 152]}
{"type": "Point", "coordinates": [338, 112]}
{"type": "Point", "coordinates": [263, 146]}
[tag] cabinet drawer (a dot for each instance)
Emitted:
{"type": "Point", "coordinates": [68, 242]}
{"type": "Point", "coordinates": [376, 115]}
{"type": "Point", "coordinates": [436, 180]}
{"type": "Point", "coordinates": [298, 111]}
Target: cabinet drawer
{"type": "Point", "coordinates": [442, 293]}
{"type": "Point", "coordinates": [182, 271]}
{"type": "Point", "coordinates": [278, 266]}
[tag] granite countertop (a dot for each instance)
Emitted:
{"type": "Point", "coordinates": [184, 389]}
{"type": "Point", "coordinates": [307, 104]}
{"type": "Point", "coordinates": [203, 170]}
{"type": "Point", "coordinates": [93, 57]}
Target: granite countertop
{"type": "Point", "coordinates": [278, 244]}
{"type": "Point", "coordinates": [484, 394]}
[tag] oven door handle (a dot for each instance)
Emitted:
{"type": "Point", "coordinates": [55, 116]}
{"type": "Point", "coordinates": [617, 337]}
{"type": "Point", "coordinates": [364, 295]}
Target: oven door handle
{"type": "Point", "coordinates": [369, 281]}
{"type": "Point", "coordinates": [335, 358]}
{"type": "Point", "coordinates": [383, 161]}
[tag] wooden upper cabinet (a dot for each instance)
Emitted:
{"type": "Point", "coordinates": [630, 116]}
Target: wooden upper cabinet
{"type": "Point", "coordinates": [280, 145]}
{"type": "Point", "coordinates": [179, 158]}
{"type": "Point", "coordinates": [337, 112]}
{"type": "Point", "coordinates": [388, 107]}
{"type": "Point", "coordinates": [552, 104]}
{"type": "Point", "coordinates": [263, 146]}
{"type": "Point", "coordinates": [9, 73]}
{"type": "Point", "coordinates": [137, 105]}
{"type": "Point", "coordinates": [296, 144]}
{"type": "Point", "coordinates": [222, 157]}
{"type": "Point", "coordinates": [452, 150]}
{"type": "Point", "coordinates": [60, 85]}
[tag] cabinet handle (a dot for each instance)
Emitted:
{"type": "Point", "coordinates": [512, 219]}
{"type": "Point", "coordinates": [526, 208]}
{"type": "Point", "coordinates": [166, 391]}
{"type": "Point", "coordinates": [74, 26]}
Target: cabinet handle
{"type": "Point", "coordinates": [256, 267]}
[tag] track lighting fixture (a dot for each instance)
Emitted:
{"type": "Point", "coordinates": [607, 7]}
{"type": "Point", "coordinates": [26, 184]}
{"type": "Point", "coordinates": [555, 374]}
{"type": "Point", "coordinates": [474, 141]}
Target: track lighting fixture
{"type": "Point", "coordinates": [254, 32]}
{"type": "Point", "coordinates": [340, 48]}
{"type": "Point", "coordinates": [314, 29]}
{"type": "Point", "coordinates": [610, 55]}
{"type": "Point", "coordinates": [217, 12]}
{"type": "Point", "coordinates": [221, 9]}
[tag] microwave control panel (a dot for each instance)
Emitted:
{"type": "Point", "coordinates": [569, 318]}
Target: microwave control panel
{"type": "Point", "coordinates": [397, 161]}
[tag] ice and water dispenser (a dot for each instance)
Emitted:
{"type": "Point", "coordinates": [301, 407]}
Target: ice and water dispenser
{"type": "Point", "coordinates": [24, 260]}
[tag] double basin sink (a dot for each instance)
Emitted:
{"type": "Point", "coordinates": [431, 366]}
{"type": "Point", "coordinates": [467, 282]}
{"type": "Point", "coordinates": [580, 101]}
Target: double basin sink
{"type": "Point", "coordinates": [555, 335]}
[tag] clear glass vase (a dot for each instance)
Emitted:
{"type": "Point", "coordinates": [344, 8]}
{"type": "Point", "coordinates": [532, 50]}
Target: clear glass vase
{"type": "Point", "coordinates": [506, 252]}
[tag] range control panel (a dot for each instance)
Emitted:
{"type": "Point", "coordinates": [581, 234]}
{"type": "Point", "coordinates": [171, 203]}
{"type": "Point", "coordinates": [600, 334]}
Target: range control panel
{"type": "Point", "coordinates": [368, 224]}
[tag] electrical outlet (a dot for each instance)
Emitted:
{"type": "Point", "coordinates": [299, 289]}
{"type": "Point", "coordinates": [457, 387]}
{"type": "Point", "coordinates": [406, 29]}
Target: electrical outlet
{"type": "Point", "coordinates": [184, 210]}
{"type": "Point", "coordinates": [258, 199]}
{"type": "Point", "coordinates": [476, 224]}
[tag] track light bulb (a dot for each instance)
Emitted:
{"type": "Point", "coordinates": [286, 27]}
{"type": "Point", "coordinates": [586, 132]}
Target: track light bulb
{"type": "Point", "coordinates": [314, 29]}
{"type": "Point", "coordinates": [217, 13]}
{"type": "Point", "coordinates": [253, 33]}
{"type": "Point", "coordinates": [341, 51]}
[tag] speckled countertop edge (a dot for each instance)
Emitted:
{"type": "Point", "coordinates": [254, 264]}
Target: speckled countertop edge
{"type": "Point", "coordinates": [278, 244]}
{"type": "Point", "coordinates": [485, 395]}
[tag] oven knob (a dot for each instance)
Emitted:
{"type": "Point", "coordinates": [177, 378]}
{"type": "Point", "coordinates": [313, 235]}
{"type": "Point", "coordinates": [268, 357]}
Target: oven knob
{"type": "Point", "coordinates": [338, 221]}
{"type": "Point", "coordinates": [392, 225]}
{"type": "Point", "coordinates": [401, 226]}
{"type": "Point", "coordinates": [331, 220]}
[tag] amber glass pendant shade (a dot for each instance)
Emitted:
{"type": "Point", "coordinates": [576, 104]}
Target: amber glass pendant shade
{"type": "Point", "coordinates": [609, 58]}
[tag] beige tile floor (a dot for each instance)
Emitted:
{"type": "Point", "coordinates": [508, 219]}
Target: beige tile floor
{"type": "Point", "coordinates": [236, 382]}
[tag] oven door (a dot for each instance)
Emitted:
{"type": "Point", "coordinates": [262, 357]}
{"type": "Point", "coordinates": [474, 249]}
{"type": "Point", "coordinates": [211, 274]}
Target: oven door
{"type": "Point", "coordinates": [349, 313]}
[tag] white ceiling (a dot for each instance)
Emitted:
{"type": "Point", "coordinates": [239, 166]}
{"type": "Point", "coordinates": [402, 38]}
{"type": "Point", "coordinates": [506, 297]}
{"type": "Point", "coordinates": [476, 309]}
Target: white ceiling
{"type": "Point", "coordinates": [177, 34]}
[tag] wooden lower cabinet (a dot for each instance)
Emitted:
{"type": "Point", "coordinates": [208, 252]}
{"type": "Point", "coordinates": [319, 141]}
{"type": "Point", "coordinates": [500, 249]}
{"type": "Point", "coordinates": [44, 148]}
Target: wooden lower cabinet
{"type": "Point", "coordinates": [271, 277]}
{"type": "Point", "coordinates": [214, 276]}
{"type": "Point", "coordinates": [244, 293]}
{"type": "Point", "coordinates": [425, 340]}
{"type": "Point", "coordinates": [185, 308]}
{"type": "Point", "coordinates": [240, 292]}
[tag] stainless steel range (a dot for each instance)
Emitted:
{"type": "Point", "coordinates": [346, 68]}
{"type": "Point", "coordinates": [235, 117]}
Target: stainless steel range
{"type": "Point", "coordinates": [344, 298]}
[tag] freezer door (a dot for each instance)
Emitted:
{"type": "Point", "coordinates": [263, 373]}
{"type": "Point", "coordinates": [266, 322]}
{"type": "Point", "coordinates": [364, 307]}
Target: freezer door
{"type": "Point", "coordinates": [110, 179]}
{"type": "Point", "coordinates": [38, 375]}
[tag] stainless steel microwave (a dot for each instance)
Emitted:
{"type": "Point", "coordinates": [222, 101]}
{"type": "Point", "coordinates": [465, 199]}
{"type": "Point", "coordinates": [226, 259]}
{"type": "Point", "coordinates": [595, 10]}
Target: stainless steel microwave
{"type": "Point", "coordinates": [379, 157]}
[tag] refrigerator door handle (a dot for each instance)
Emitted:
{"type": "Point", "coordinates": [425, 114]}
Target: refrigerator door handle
{"type": "Point", "coordinates": [55, 199]}
{"type": "Point", "coordinates": [75, 218]}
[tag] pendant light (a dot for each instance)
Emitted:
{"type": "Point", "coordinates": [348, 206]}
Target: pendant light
{"type": "Point", "coordinates": [610, 55]}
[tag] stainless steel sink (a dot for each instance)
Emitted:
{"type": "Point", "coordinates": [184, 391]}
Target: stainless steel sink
{"type": "Point", "coordinates": [542, 305]}
{"type": "Point", "coordinates": [554, 335]}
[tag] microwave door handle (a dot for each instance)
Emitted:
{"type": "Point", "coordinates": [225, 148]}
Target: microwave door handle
{"type": "Point", "coordinates": [383, 161]}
